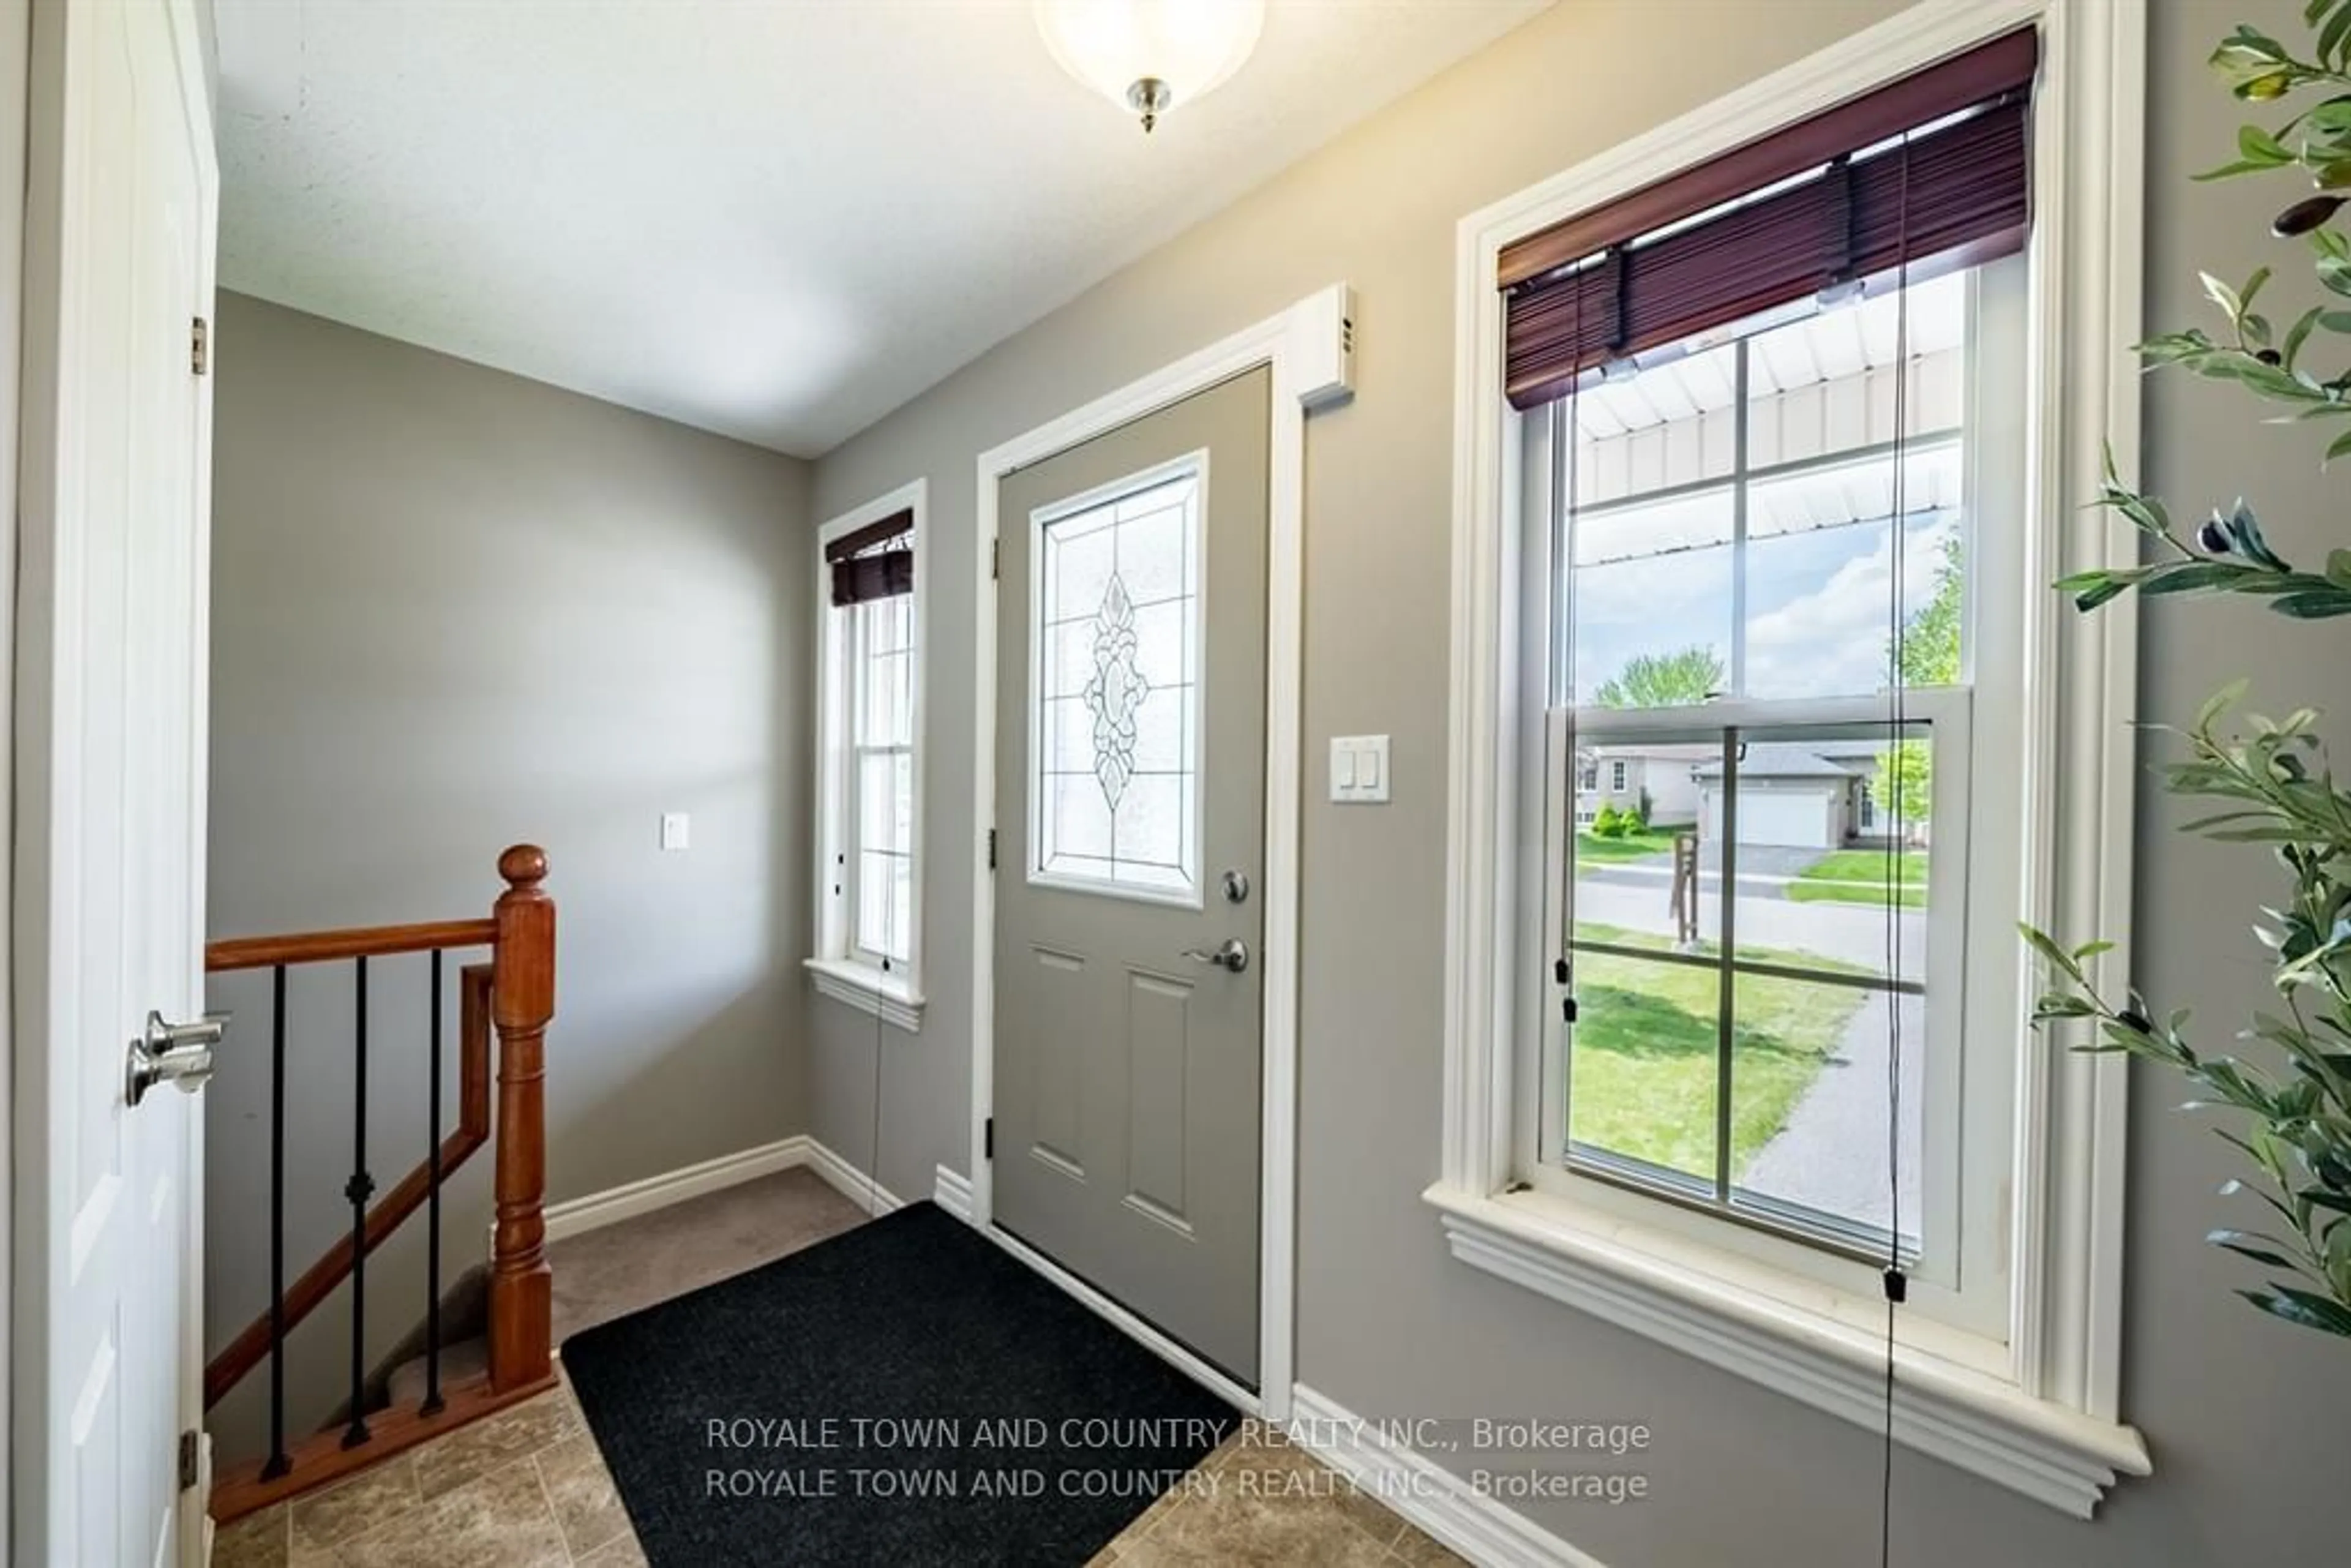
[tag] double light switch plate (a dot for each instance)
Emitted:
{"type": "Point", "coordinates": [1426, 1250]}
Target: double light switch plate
{"type": "Point", "coordinates": [1359, 770]}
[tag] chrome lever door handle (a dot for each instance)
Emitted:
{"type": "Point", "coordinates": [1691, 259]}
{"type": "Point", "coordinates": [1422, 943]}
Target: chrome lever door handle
{"type": "Point", "coordinates": [1232, 955]}
{"type": "Point", "coordinates": [178, 1053]}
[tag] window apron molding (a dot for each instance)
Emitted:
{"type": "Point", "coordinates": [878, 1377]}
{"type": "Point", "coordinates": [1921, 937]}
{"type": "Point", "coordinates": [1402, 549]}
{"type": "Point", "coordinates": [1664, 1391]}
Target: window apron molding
{"type": "Point", "coordinates": [2035, 1409]}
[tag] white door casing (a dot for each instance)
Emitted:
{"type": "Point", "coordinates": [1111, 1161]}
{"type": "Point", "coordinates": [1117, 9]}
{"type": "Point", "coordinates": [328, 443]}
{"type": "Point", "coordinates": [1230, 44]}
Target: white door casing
{"type": "Point", "coordinates": [112, 662]}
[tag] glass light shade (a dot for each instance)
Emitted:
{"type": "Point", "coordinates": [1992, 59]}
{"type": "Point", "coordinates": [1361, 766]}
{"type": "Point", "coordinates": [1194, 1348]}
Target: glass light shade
{"type": "Point", "coordinates": [1191, 45]}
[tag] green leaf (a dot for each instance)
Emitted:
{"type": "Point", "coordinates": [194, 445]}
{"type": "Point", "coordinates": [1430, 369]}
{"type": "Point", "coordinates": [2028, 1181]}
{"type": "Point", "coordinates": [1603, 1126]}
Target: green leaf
{"type": "Point", "coordinates": [2251, 1244]}
{"type": "Point", "coordinates": [2255, 145]}
{"type": "Point", "coordinates": [2313, 1311]}
{"type": "Point", "coordinates": [2226, 298]}
{"type": "Point", "coordinates": [2059, 960]}
{"type": "Point", "coordinates": [2318, 604]}
{"type": "Point", "coordinates": [2220, 702]}
{"type": "Point", "coordinates": [2299, 333]}
{"type": "Point", "coordinates": [2341, 443]}
{"type": "Point", "coordinates": [2331, 36]}
{"type": "Point", "coordinates": [2191, 577]}
{"type": "Point", "coordinates": [2231, 171]}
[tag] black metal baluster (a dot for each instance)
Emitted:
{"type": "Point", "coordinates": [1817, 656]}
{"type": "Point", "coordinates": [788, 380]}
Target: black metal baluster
{"type": "Point", "coordinates": [361, 1189]}
{"type": "Point", "coordinates": [280, 1462]}
{"type": "Point", "coordinates": [433, 1211]}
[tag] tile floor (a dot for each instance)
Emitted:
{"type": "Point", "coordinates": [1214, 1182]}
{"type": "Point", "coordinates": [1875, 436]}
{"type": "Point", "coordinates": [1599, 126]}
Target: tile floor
{"type": "Point", "coordinates": [527, 1488]}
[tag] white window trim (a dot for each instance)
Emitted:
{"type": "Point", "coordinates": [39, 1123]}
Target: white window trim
{"type": "Point", "coordinates": [835, 968]}
{"type": "Point", "coordinates": [2044, 1420]}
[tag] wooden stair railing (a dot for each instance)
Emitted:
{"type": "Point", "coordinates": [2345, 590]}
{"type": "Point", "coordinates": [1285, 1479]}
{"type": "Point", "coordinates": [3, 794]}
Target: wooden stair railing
{"type": "Point", "coordinates": [514, 993]}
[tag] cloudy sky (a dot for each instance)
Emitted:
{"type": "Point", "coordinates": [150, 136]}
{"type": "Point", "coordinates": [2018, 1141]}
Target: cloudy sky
{"type": "Point", "coordinates": [1817, 606]}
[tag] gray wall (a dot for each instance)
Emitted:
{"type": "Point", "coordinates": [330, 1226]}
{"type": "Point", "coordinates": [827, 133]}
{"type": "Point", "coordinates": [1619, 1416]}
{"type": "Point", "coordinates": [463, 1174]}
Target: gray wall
{"type": "Point", "coordinates": [453, 610]}
{"type": "Point", "coordinates": [2234, 1407]}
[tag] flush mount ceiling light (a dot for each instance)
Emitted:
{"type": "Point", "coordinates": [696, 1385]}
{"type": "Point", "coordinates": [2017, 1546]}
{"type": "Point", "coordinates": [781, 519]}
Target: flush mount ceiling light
{"type": "Point", "coordinates": [1151, 54]}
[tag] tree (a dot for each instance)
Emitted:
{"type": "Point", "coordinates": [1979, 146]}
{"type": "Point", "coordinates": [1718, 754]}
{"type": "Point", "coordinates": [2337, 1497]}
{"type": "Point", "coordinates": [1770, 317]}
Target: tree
{"type": "Point", "coordinates": [1926, 653]}
{"type": "Point", "coordinates": [1678, 679]}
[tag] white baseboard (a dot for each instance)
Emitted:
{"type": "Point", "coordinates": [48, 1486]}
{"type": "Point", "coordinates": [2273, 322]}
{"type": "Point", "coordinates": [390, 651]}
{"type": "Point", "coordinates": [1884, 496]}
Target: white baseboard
{"type": "Point", "coordinates": [1433, 1498]}
{"type": "Point", "coordinates": [578, 1215]}
{"type": "Point", "coordinates": [849, 1181]}
{"type": "Point", "coordinates": [951, 1192]}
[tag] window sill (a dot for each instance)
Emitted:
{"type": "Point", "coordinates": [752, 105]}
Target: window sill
{"type": "Point", "coordinates": [1983, 1423]}
{"type": "Point", "coordinates": [867, 990]}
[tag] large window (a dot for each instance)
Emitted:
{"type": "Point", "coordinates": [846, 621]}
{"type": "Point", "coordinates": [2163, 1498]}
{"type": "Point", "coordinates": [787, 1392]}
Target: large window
{"type": "Point", "coordinates": [1774, 426]}
{"type": "Point", "coordinates": [869, 684]}
{"type": "Point", "coordinates": [1762, 640]}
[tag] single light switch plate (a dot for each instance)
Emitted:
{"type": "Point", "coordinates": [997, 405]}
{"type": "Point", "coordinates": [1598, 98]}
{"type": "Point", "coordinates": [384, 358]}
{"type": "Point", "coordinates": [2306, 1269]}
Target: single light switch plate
{"type": "Point", "coordinates": [1359, 770]}
{"type": "Point", "coordinates": [677, 830]}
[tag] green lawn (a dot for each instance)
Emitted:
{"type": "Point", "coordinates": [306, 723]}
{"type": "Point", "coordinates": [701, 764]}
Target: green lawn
{"type": "Point", "coordinates": [1859, 876]}
{"type": "Point", "coordinates": [1593, 850]}
{"type": "Point", "coordinates": [1645, 1052]}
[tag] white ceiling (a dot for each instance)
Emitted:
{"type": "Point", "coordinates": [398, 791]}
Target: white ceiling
{"type": "Point", "coordinates": [774, 220]}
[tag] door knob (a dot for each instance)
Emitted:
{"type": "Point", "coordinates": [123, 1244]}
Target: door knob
{"type": "Point", "coordinates": [1231, 955]}
{"type": "Point", "coordinates": [178, 1053]}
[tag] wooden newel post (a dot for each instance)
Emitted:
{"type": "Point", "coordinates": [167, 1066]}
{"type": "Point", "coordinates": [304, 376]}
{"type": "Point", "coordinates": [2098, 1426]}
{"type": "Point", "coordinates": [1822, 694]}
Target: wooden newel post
{"type": "Point", "coordinates": [522, 999]}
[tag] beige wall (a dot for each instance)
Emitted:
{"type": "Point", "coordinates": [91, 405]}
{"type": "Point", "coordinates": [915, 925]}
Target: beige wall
{"type": "Point", "coordinates": [453, 610]}
{"type": "Point", "coordinates": [2234, 1407]}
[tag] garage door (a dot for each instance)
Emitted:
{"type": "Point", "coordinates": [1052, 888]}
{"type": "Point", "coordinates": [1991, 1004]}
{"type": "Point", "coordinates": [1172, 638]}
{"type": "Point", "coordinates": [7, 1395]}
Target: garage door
{"type": "Point", "coordinates": [1799, 819]}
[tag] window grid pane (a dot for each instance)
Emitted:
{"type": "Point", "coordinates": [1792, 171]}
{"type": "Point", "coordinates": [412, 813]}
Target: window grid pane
{"type": "Point", "coordinates": [1734, 524]}
{"type": "Point", "coordinates": [1736, 999]}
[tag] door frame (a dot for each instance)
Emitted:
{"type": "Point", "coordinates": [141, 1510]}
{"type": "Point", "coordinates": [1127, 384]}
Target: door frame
{"type": "Point", "coordinates": [1285, 344]}
{"type": "Point", "coordinates": [33, 908]}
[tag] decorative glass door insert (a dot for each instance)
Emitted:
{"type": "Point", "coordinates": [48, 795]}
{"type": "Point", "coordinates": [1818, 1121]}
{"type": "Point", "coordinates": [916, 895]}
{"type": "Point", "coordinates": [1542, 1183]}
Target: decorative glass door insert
{"type": "Point", "coordinates": [1115, 641]}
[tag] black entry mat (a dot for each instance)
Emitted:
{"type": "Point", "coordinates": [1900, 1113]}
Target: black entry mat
{"type": "Point", "coordinates": [907, 1393]}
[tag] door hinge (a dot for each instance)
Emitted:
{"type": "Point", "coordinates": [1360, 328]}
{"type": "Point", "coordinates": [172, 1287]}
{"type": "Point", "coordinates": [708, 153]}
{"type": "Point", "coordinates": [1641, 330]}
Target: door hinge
{"type": "Point", "coordinates": [991, 849]}
{"type": "Point", "coordinates": [189, 1443]}
{"type": "Point", "coordinates": [995, 558]}
{"type": "Point", "coordinates": [200, 347]}
{"type": "Point", "coordinates": [988, 1139]}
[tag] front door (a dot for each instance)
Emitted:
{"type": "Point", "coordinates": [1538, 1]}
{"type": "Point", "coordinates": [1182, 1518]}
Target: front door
{"type": "Point", "coordinates": [110, 769]}
{"type": "Point", "coordinates": [1129, 790]}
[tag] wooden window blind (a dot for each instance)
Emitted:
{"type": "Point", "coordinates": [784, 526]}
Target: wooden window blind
{"type": "Point", "coordinates": [1930, 172]}
{"type": "Point", "coordinates": [858, 576]}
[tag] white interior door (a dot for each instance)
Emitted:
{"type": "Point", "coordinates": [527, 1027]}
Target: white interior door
{"type": "Point", "coordinates": [112, 659]}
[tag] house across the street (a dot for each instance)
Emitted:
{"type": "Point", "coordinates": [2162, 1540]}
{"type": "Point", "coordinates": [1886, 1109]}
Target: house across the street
{"type": "Point", "coordinates": [1803, 795]}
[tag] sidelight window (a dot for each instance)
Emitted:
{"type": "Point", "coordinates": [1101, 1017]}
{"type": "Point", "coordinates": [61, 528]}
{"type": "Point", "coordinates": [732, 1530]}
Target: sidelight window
{"type": "Point", "coordinates": [869, 897]}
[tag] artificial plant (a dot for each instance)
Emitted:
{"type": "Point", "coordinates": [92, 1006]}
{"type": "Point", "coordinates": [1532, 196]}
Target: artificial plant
{"type": "Point", "coordinates": [2267, 781]}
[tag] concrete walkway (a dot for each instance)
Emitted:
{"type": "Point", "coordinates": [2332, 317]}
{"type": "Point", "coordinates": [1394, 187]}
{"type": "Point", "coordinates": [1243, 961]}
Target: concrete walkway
{"type": "Point", "coordinates": [1831, 1155]}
